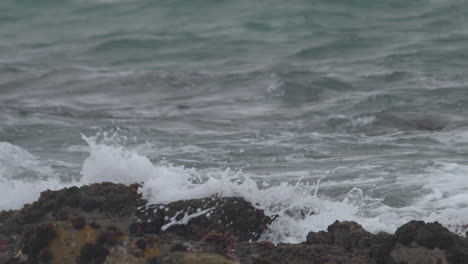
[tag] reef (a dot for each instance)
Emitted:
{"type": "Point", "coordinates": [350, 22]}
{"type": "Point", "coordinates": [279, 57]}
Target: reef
{"type": "Point", "coordinates": [111, 223]}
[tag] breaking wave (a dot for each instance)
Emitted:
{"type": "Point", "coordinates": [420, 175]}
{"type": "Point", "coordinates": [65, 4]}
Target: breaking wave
{"type": "Point", "coordinates": [299, 206]}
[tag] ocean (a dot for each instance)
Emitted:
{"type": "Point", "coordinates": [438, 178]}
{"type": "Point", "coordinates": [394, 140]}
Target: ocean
{"type": "Point", "coordinates": [313, 111]}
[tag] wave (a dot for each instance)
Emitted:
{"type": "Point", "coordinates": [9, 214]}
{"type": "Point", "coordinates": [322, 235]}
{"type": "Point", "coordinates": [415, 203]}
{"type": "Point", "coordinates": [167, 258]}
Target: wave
{"type": "Point", "coordinates": [298, 205]}
{"type": "Point", "coordinates": [23, 176]}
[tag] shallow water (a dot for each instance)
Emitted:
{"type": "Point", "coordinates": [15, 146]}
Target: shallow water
{"type": "Point", "coordinates": [352, 110]}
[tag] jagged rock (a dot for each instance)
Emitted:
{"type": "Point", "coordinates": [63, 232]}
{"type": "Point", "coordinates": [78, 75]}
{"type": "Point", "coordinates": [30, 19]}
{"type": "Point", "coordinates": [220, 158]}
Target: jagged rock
{"type": "Point", "coordinates": [299, 254]}
{"type": "Point", "coordinates": [413, 243]}
{"type": "Point", "coordinates": [117, 200]}
{"type": "Point", "coordinates": [192, 219]}
{"type": "Point", "coordinates": [100, 223]}
{"type": "Point", "coordinates": [351, 235]}
{"type": "Point", "coordinates": [320, 237]}
{"type": "Point", "coordinates": [62, 243]}
{"type": "Point", "coordinates": [431, 236]}
{"type": "Point", "coordinates": [36, 239]}
{"type": "Point", "coordinates": [223, 244]}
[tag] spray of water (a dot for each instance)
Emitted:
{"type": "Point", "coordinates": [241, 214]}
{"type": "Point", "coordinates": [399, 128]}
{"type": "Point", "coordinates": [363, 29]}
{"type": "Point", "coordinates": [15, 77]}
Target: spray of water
{"type": "Point", "coordinates": [297, 207]}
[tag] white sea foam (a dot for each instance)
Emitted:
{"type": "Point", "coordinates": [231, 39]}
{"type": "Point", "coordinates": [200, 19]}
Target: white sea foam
{"type": "Point", "coordinates": [22, 177]}
{"type": "Point", "coordinates": [185, 219]}
{"type": "Point", "coordinates": [298, 207]}
{"type": "Point", "coordinates": [18, 163]}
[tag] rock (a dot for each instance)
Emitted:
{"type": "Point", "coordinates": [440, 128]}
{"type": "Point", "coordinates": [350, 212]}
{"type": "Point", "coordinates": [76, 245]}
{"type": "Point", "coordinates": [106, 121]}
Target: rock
{"type": "Point", "coordinates": [433, 237]}
{"type": "Point", "coordinates": [351, 235]}
{"type": "Point", "coordinates": [117, 200]}
{"type": "Point", "coordinates": [100, 223]}
{"type": "Point", "coordinates": [36, 239]}
{"type": "Point", "coordinates": [193, 219]}
{"type": "Point", "coordinates": [78, 222]}
{"type": "Point", "coordinates": [417, 254]}
{"type": "Point", "coordinates": [223, 244]}
{"type": "Point", "coordinates": [299, 254]}
{"type": "Point", "coordinates": [320, 237]}
{"type": "Point", "coordinates": [92, 253]}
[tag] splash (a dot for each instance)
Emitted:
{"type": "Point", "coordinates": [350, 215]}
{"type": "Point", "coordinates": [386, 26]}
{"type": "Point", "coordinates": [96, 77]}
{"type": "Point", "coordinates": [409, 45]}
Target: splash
{"type": "Point", "coordinates": [22, 177]}
{"type": "Point", "coordinates": [298, 207]}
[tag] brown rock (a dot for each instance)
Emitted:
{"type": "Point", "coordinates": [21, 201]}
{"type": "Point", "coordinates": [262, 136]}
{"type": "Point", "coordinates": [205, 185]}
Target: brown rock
{"type": "Point", "coordinates": [36, 239]}
{"type": "Point", "coordinates": [199, 216]}
{"type": "Point", "coordinates": [92, 253]}
{"type": "Point", "coordinates": [78, 222]}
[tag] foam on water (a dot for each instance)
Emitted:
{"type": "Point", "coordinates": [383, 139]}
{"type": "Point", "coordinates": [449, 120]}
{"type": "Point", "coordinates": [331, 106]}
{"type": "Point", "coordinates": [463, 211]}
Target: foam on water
{"type": "Point", "coordinates": [298, 207]}
{"type": "Point", "coordinates": [22, 177]}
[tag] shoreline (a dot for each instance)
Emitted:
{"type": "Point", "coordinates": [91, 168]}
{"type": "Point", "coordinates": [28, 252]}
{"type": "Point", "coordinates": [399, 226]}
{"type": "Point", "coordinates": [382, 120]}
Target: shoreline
{"type": "Point", "coordinates": [111, 223]}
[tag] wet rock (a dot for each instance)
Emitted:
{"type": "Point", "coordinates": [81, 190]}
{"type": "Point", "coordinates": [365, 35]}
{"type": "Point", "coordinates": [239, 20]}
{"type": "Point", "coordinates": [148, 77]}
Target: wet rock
{"type": "Point", "coordinates": [431, 236]}
{"type": "Point", "coordinates": [118, 200]}
{"type": "Point", "coordinates": [141, 244]}
{"type": "Point", "coordinates": [78, 222]}
{"type": "Point", "coordinates": [320, 237]}
{"type": "Point", "coordinates": [45, 256]}
{"type": "Point", "coordinates": [223, 244]}
{"type": "Point", "coordinates": [193, 219]}
{"type": "Point", "coordinates": [299, 254]}
{"type": "Point", "coordinates": [92, 253]}
{"type": "Point", "coordinates": [265, 245]}
{"type": "Point", "coordinates": [36, 239]}
{"type": "Point", "coordinates": [351, 235]}
{"type": "Point", "coordinates": [100, 223]}
{"type": "Point", "coordinates": [178, 247]}
{"type": "Point", "coordinates": [110, 237]}
{"type": "Point", "coordinates": [348, 235]}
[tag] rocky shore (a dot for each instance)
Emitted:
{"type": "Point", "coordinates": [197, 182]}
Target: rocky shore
{"type": "Point", "coordinates": [111, 223]}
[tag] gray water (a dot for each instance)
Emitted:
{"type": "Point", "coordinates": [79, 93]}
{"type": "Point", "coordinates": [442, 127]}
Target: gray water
{"type": "Point", "coordinates": [371, 97]}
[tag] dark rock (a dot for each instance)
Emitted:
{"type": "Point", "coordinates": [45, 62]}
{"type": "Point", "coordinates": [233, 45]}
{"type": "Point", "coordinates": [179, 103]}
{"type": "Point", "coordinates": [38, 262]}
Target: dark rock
{"type": "Point", "coordinates": [320, 237]}
{"type": "Point", "coordinates": [265, 245]}
{"type": "Point", "coordinates": [211, 230]}
{"type": "Point", "coordinates": [351, 235]}
{"type": "Point", "coordinates": [95, 225]}
{"type": "Point", "coordinates": [78, 222]}
{"type": "Point", "coordinates": [202, 216]}
{"type": "Point", "coordinates": [110, 237]}
{"type": "Point", "coordinates": [115, 199]}
{"type": "Point", "coordinates": [257, 260]}
{"type": "Point", "coordinates": [153, 260]}
{"type": "Point", "coordinates": [223, 244]}
{"type": "Point", "coordinates": [434, 235]}
{"type": "Point", "coordinates": [73, 201]}
{"type": "Point", "coordinates": [92, 254]}
{"type": "Point", "coordinates": [141, 243]}
{"type": "Point", "coordinates": [45, 256]}
{"type": "Point", "coordinates": [89, 204]}
{"type": "Point", "coordinates": [428, 235]}
{"type": "Point", "coordinates": [61, 215]}
{"type": "Point", "coordinates": [178, 247]}
{"type": "Point", "coordinates": [300, 254]}
{"type": "Point", "coordinates": [37, 238]}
